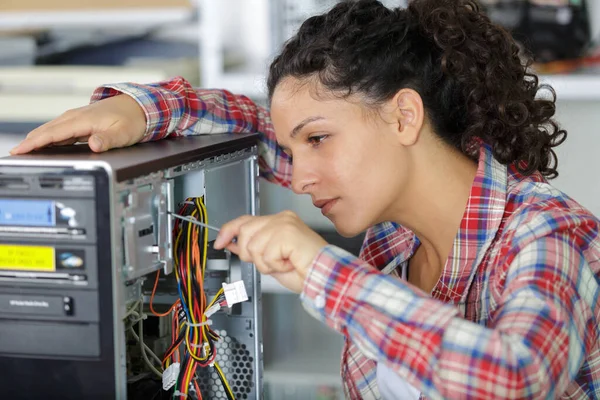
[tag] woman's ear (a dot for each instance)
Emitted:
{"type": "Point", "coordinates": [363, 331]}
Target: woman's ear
{"type": "Point", "coordinates": [409, 116]}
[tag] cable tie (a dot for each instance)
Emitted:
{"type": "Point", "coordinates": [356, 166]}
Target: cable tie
{"type": "Point", "coordinates": [207, 322]}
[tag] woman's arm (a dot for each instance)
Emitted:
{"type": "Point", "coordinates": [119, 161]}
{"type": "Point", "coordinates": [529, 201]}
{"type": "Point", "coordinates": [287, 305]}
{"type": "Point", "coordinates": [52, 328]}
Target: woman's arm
{"type": "Point", "coordinates": [173, 107]}
{"type": "Point", "coordinates": [544, 325]}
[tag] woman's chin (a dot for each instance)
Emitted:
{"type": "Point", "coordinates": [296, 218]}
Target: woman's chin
{"type": "Point", "coordinates": [348, 231]}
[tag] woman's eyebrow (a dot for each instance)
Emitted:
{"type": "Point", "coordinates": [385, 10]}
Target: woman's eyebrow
{"type": "Point", "coordinates": [302, 124]}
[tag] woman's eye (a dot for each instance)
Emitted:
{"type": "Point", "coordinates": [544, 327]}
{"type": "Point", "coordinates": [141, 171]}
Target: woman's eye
{"type": "Point", "coordinates": [316, 140]}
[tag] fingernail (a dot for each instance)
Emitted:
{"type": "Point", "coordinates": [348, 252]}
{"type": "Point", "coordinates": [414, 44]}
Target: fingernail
{"type": "Point", "coordinates": [96, 141]}
{"type": "Point", "coordinates": [15, 149]}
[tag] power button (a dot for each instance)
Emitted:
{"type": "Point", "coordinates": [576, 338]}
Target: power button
{"type": "Point", "coordinates": [68, 306]}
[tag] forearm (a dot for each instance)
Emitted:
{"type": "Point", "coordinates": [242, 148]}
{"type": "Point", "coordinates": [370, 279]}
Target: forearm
{"type": "Point", "coordinates": [429, 343]}
{"type": "Point", "coordinates": [174, 107]}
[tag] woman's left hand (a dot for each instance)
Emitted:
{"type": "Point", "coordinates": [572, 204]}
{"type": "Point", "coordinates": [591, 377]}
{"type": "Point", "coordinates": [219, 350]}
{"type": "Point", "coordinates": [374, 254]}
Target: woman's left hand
{"type": "Point", "coordinates": [280, 245]}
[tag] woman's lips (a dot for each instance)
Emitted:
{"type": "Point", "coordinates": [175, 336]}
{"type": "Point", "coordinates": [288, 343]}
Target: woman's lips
{"type": "Point", "coordinates": [325, 205]}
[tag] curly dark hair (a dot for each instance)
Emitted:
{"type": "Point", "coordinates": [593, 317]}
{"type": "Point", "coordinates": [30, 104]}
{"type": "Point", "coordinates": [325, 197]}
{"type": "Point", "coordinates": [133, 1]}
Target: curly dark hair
{"type": "Point", "coordinates": [471, 75]}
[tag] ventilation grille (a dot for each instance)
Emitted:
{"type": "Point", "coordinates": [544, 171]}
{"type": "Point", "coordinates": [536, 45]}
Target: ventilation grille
{"type": "Point", "coordinates": [235, 361]}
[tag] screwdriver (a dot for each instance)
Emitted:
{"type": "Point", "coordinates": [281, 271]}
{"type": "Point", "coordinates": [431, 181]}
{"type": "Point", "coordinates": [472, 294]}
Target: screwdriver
{"type": "Point", "coordinates": [196, 222]}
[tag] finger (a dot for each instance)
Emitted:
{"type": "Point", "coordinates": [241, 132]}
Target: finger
{"type": "Point", "coordinates": [250, 230]}
{"type": "Point", "coordinates": [262, 267]}
{"type": "Point", "coordinates": [52, 132]}
{"type": "Point", "coordinates": [230, 230]}
{"type": "Point", "coordinates": [110, 137]}
{"type": "Point", "coordinates": [256, 248]}
{"type": "Point", "coordinates": [70, 141]}
{"type": "Point", "coordinates": [273, 258]}
{"type": "Point", "coordinates": [233, 247]}
{"type": "Point", "coordinates": [100, 142]}
{"type": "Point", "coordinates": [39, 141]}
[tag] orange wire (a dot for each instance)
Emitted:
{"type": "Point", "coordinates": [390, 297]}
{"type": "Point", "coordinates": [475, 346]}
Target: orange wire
{"type": "Point", "coordinates": [198, 390]}
{"type": "Point", "coordinates": [152, 299]}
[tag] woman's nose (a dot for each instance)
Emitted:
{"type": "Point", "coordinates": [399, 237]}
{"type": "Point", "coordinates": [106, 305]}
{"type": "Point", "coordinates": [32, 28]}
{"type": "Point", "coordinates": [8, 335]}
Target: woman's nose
{"type": "Point", "coordinates": [302, 177]}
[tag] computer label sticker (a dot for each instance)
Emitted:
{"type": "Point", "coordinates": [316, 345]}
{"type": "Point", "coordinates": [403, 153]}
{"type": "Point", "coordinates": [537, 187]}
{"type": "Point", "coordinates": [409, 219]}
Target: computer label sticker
{"type": "Point", "coordinates": [27, 258]}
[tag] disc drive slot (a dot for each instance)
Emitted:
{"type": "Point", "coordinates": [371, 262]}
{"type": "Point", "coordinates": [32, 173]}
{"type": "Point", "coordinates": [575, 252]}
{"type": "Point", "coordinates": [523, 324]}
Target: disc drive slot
{"type": "Point", "coordinates": [39, 305]}
{"type": "Point", "coordinates": [51, 339]}
{"type": "Point", "coordinates": [48, 218]}
{"type": "Point", "coordinates": [39, 264]}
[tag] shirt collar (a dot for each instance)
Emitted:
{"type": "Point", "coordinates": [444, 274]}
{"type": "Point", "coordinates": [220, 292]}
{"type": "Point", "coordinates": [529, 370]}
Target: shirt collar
{"type": "Point", "coordinates": [479, 225]}
{"type": "Point", "coordinates": [481, 220]}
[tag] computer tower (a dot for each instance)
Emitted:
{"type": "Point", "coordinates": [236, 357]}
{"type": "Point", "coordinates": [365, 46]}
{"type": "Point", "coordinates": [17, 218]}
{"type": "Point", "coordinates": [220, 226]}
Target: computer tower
{"type": "Point", "coordinates": [82, 236]}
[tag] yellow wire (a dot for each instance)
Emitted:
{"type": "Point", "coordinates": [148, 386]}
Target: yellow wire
{"type": "Point", "coordinates": [205, 245]}
{"type": "Point", "coordinates": [189, 379]}
{"type": "Point", "coordinates": [195, 333]}
{"type": "Point", "coordinates": [194, 340]}
{"type": "Point", "coordinates": [220, 372]}
{"type": "Point", "coordinates": [204, 218]}
{"type": "Point", "coordinates": [205, 242]}
{"type": "Point", "coordinates": [212, 303]}
{"type": "Point", "coordinates": [204, 257]}
{"type": "Point", "coordinates": [189, 284]}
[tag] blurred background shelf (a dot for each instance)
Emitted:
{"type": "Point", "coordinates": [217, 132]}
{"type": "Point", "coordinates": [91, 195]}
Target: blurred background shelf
{"type": "Point", "coordinates": [95, 18]}
{"type": "Point", "coordinates": [575, 87]}
{"type": "Point", "coordinates": [90, 14]}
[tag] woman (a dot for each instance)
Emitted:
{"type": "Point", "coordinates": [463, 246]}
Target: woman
{"type": "Point", "coordinates": [477, 279]}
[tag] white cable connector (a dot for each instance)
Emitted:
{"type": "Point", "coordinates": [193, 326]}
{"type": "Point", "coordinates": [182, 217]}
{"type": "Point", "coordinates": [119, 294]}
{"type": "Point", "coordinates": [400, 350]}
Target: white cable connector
{"type": "Point", "coordinates": [235, 292]}
{"type": "Point", "coordinates": [212, 309]}
{"type": "Point", "coordinates": [205, 349]}
{"type": "Point", "coordinates": [170, 376]}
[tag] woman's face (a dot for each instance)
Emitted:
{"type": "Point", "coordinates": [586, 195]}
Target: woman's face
{"type": "Point", "coordinates": [346, 158]}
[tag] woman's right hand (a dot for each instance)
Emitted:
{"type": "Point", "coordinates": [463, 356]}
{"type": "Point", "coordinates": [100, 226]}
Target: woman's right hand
{"type": "Point", "coordinates": [113, 122]}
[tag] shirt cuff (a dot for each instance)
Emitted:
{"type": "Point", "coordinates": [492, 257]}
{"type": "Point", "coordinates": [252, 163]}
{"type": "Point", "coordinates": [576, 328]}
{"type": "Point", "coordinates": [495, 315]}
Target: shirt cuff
{"type": "Point", "coordinates": [328, 280]}
{"type": "Point", "coordinates": [154, 123]}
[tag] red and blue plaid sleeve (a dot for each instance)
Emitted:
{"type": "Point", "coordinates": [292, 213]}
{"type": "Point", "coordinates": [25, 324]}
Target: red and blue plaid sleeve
{"type": "Point", "coordinates": [532, 346]}
{"type": "Point", "coordinates": [174, 107]}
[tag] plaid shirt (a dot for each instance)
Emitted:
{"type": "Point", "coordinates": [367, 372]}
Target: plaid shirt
{"type": "Point", "coordinates": [515, 313]}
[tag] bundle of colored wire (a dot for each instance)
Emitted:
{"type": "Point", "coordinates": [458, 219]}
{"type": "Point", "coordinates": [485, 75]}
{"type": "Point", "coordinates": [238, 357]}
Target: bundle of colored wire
{"type": "Point", "coordinates": [190, 326]}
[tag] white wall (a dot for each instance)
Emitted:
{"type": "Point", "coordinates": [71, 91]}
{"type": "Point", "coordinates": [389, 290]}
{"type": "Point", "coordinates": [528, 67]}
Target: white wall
{"type": "Point", "coordinates": [579, 156]}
